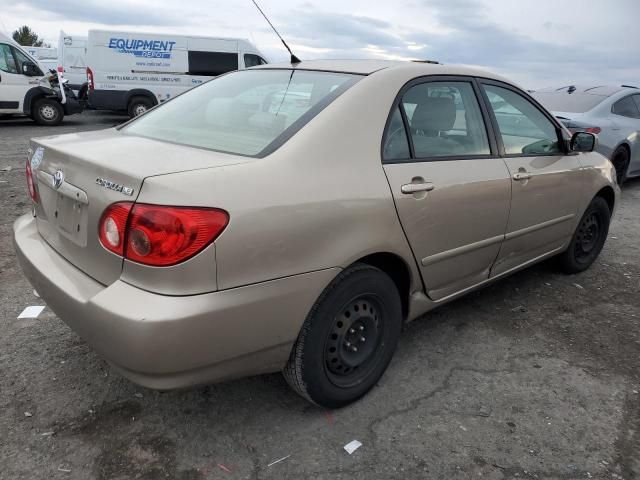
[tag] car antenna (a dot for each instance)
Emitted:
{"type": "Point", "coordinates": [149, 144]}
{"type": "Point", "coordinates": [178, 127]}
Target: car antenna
{"type": "Point", "coordinates": [294, 59]}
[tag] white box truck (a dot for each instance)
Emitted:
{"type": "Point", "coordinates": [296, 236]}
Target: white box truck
{"type": "Point", "coordinates": [133, 71]}
{"type": "Point", "coordinates": [26, 88]}
{"type": "Point", "coordinates": [72, 63]}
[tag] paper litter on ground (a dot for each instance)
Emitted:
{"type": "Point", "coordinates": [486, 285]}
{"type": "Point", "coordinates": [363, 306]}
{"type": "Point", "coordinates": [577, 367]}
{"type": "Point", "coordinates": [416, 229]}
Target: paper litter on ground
{"type": "Point", "coordinates": [31, 312]}
{"type": "Point", "coordinates": [352, 446]}
{"type": "Point", "coordinates": [278, 461]}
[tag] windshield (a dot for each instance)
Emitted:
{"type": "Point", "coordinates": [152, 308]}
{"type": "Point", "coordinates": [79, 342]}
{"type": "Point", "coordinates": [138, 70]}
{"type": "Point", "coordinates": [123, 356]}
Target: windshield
{"type": "Point", "coordinates": [568, 102]}
{"type": "Point", "coordinates": [250, 112]}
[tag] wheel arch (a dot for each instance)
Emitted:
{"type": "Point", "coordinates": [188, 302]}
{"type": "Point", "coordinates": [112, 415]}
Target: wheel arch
{"type": "Point", "coordinates": [141, 92]}
{"type": "Point", "coordinates": [396, 267]}
{"type": "Point", "coordinates": [609, 195]}
{"type": "Point", "coordinates": [30, 97]}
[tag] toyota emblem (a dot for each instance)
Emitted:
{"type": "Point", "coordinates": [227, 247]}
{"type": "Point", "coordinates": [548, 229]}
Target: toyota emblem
{"type": "Point", "coordinates": [58, 178]}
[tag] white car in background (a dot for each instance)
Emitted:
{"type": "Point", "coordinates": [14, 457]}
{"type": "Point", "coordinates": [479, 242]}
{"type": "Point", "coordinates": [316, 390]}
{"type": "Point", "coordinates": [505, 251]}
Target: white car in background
{"type": "Point", "coordinates": [611, 112]}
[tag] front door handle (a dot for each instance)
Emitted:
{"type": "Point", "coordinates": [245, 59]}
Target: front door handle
{"type": "Point", "coordinates": [411, 188]}
{"type": "Point", "coordinates": [521, 176]}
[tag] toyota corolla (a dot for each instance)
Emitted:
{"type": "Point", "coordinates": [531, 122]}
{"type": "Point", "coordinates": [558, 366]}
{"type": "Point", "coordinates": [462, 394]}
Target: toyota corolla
{"type": "Point", "coordinates": [292, 218]}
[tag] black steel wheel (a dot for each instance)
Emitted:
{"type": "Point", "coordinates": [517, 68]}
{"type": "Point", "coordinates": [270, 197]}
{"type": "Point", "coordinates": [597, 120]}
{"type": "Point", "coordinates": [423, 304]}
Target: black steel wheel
{"type": "Point", "coordinates": [348, 339]}
{"type": "Point", "coordinates": [354, 338]}
{"type": "Point", "coordinates": [589, 237]}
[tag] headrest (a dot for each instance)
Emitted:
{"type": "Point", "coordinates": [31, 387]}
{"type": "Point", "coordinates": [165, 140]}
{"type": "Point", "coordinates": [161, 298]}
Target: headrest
{"type": "Point", "coordinates": [434, 114]}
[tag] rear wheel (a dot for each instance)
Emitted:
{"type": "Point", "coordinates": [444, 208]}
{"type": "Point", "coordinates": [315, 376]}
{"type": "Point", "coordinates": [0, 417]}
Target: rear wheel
{"type": "Point", "coordinates": [47, 111]}
{"type": "Point", "coordinates": [348, 339]}
{"type": "Point", "coordinates": [589, 237]}
{"type": "Point", "coordinates": [138, 105]}
{"type": "Point", "coordinates": [620, 160]}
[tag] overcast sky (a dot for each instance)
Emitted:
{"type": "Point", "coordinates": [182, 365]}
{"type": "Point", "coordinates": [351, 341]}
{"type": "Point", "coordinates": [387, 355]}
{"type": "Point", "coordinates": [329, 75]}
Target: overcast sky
{"type": "Point", "coordinates": [537, 43]}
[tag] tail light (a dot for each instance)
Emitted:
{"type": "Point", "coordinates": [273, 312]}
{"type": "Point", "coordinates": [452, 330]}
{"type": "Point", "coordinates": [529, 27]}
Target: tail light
{"type": "Point", "coordinates": [595, 130]}
{"type": "Point", "coordinates": [31, 183]}
{"type": "Point", "coordinates": [159, 235]}
{"type": "Point", "coordinates": [90, 79]}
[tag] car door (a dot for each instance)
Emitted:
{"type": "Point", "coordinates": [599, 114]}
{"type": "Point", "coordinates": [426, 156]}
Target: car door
{"type": "Point", "coordinates": [546, 181]}
{"type": "Point", "coordinates": [13, 85]}
{"type": "Point", "coordinates": [451, 189]}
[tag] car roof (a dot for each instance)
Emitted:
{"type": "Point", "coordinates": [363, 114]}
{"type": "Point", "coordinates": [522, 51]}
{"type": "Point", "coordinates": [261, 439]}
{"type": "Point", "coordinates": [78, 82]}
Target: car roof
{"type": "Point", "coordinates": [367, 67]}
{"type": "Point", "coordinates": [602, 90]}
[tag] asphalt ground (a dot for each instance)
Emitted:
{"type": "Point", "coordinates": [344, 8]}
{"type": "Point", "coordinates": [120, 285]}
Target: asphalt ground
{"type": "Point", "coordinates": [536, 376]}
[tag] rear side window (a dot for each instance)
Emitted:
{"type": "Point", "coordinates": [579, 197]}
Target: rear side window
{"type": "Point", "coordinates": [251, 60]}
{"type": "Point", "coordinates": [212, 64]}
{"type": "Point", "coordinates": [524, 129]}
{"type": "Point", "coordinates": [444, 120]}
{"type": "Point", "coordinates": [396, 145]}
{"type": "Point", "coordinates": [249, 112]}
{"type": "Point", "coordinates": [636, 98]}
{"type": "Point", "coordinates": [626, 108]}
{"type": "Point", "coordinates": [7, 62]}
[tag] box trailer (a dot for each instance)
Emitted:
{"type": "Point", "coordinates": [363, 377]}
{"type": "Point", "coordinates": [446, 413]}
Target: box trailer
{"type": "Point", "coordinates": [133, 71]}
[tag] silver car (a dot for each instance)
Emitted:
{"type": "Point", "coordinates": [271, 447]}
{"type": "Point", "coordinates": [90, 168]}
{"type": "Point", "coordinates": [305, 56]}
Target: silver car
{"type": "Point", "coordinates": [291, 219]}
{"type": "Point", "coordinates": [611, 112]}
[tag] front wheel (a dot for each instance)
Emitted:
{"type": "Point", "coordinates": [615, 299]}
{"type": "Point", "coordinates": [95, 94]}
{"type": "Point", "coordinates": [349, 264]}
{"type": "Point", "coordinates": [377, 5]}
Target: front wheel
{"type": "Point", "coordinates": [588, 239]}
{"type": "Point", "coordinates": [348, 339]}
{"type": "Point", "coordinates": [48, 111]}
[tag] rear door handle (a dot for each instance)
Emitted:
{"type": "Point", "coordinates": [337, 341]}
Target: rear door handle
{"type": "Point", "coordinates": [521, 176]}
{"type": "Point", "coordinates": [410, 188]}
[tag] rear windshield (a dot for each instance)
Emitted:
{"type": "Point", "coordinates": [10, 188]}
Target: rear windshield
{"type": "Point", "coordinates": [250, 112]}
{"type": "Point", "coordinates": [568, 102]}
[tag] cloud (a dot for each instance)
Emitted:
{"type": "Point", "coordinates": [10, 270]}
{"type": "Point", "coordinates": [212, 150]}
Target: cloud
{"type": "Point", "coordinates": [108, 13]}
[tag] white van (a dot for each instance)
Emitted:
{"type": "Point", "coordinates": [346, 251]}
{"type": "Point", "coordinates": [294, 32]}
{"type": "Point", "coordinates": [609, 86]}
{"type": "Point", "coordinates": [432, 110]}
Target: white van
{"type": "Point", "coordinates": [72, 59]}
{"type": "Point", "coordinates": [26, 90]}
{"type": "Point", "coordinates": [134, 71]}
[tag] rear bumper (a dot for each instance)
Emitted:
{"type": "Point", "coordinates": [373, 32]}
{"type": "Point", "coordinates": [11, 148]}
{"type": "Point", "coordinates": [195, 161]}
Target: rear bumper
{"type": "Point", "coordinates": [168, 342]}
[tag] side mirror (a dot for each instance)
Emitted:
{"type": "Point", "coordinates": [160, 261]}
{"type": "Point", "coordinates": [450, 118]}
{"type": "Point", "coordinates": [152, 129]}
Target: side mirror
{"type": "Point", "coordinates": [583, 142]}
{"type": "Point", "coordinates": [30, 69]}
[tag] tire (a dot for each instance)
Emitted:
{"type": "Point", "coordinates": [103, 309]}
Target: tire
{"type": "Point", "coordinates": [348, 338]}
{"type": "Point", "coordinates": [588, 239]}
{"type": "Point", "coordinates": [47, 111]}
{"type": "Point", "coordinates": [620, 160]}
{"type": "Point", "coordinates": [138, 106]}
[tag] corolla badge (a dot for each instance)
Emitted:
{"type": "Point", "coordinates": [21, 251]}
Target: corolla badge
{"type": "Point", "coordinates": [36, 158]}
{"type": "Point", "coordinates": [114, 186]}
{"type": "Point", "coordinates": [58, 179]}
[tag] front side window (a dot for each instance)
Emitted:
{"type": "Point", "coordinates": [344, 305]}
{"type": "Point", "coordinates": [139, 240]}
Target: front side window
{"type": "Point", "coordinates": [524, 129]}
{"type": "Point", "coordinates": [7, 62]}
{"type": "Point", "coordinates": [445, 120]}
{"type": "Point", "coordinates": [22, 59]}
{"type": "Point", "coordinates": [212, 64]}
{"type": "Point", "coordinates": [626, 108]}
{"type": "Point", "coordinates": [251, 60]}
{"type": "Point", "coordinates": [248, 112]}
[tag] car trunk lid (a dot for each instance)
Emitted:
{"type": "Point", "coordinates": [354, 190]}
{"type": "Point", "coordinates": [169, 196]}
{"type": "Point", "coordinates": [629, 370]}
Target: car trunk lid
{"type": "Point", "coordinates": [79, 175]}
